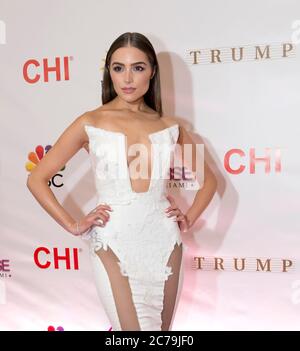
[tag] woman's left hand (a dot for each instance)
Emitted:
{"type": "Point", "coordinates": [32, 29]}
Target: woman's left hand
{"type": "Point", "coordinates": [181, 218]}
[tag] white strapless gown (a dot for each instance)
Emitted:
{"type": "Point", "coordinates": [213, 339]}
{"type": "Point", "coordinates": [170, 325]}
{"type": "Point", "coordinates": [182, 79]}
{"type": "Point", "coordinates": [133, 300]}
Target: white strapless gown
{"type": "Point", "coordinates": [139, 233]}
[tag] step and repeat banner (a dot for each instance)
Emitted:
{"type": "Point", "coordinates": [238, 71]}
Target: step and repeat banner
{"type": "Point", "coordinates": [230, 73]}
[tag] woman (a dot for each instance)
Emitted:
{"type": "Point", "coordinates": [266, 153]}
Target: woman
{"type": "Point", "coordinates": [135, 229]}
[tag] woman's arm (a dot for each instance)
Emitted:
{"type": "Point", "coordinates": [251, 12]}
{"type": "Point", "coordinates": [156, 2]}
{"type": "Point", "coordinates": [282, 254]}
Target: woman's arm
{"type": "Point", "coordinates": [207, 191]}
{"type": "Point", "coordinates": [67, 145]}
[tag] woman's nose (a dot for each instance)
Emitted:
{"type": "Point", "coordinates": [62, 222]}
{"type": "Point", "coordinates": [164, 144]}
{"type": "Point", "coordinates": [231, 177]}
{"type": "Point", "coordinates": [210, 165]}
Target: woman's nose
{"type": "Point", "coordinates": [128, 75]}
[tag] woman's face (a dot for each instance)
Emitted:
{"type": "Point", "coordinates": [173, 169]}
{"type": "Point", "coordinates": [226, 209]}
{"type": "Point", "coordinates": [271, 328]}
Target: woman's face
{"type": "Point", "coordinates": [129, 68]}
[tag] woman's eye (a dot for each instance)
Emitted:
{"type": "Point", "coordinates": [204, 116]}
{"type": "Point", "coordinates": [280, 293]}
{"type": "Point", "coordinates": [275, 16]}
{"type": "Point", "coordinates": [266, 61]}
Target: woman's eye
{"type": "Point", "coordinates": [142, 68]}
{"type": "Point", "coordinates": [138, 68]}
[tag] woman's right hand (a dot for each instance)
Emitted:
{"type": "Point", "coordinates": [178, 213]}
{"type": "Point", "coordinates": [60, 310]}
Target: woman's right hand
{"type": "Point", "coordinates": [98, 216]}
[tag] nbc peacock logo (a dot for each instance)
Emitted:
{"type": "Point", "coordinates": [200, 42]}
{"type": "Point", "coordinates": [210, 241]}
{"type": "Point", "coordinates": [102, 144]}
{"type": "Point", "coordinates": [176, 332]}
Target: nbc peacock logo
{"type": "Point", "coordinates": [35, 157]}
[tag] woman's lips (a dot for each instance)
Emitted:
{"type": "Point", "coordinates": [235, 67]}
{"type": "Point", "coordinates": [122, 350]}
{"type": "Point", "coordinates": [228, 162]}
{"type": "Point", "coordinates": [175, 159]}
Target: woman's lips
{"type": "Point", "coordinates": [128, 90]}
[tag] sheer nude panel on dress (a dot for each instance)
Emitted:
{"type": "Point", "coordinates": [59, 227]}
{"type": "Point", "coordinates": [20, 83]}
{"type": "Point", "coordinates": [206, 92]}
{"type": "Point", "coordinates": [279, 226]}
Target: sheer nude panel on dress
{"type": "Point", "coordinates": [121, 290]}
{"type": "Point", "coordinates": [171, 287]}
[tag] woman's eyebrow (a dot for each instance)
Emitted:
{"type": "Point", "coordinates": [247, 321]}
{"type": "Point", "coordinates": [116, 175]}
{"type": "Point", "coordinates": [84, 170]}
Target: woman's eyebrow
{"type": "Point", "coordinates": [135, 63]}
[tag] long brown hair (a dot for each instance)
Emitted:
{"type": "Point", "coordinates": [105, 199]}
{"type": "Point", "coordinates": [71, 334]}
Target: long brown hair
{"type": "Point", "coordinates": [153, 96]}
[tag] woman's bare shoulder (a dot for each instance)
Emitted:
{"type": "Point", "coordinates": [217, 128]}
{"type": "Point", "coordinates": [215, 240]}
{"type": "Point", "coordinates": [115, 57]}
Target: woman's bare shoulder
{"type": "Point", "coordinates": [170, 121]}
{"type": "Point", "coordinates": [96, 116]}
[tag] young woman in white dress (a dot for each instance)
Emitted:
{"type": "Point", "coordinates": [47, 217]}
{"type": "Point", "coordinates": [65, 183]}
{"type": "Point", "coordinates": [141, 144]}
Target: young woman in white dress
{"type": "Point", "coordinates": [135, 229]}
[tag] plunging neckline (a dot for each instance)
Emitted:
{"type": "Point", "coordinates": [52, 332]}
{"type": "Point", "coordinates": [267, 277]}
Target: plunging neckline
{"type": "Point", "coordinates": [149, 136]}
